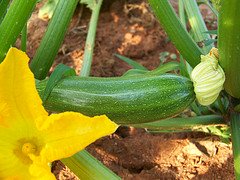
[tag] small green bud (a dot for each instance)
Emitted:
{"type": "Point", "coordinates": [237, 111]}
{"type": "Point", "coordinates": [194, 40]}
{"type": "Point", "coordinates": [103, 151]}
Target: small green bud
{"type": "Point", "coordinates": [208, 78]}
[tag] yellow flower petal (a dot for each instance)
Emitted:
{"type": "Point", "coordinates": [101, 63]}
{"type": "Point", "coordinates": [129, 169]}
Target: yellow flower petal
{"type": "Point", "coordinates": [17, 89]}
{"type": "Point", "coordinates": [29, 139]}
{"type": "Point", "coordinates": [12, 160]}
{"type": "Point", "coordinates": [40, 171]}
{"type": "Point", "coordinates": [69, 132]}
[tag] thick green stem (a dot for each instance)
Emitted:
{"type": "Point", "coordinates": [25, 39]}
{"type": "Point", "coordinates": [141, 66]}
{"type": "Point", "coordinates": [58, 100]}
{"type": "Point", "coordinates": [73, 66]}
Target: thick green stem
{"type": "Point", "coordinates": [181, 12]}
{"type": "Point", "coordinates": [89, 46]}
{"type": "Point", "coordinates": [197, 23]}
{"type": "Point", "coordinates": [183, 123]}
{"type": "Point", "coordinates": [3, 8]}
{"type": "Point", "coordinates": [53, 38]}
{"type": "Point", "coordinates": [176, 31]}
{"type": "Point", "coordinates": [13, 23]}
{"type": "Point", "coordinates": [229, 45]}
{"type": "Point", "coordinates": [235, 126]}
{"type": "Point", "coordinates": [86, 167]}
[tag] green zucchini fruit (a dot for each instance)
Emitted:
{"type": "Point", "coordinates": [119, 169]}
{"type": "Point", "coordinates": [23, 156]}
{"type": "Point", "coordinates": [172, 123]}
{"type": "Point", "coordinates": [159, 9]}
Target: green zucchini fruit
{"type": "Point", "coordinates": [125, 100]}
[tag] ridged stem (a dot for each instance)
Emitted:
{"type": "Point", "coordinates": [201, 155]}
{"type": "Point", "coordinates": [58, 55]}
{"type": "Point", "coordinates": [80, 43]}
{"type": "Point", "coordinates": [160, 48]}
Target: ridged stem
{"type": "Point", "coordinates": [197, 24]}
{"type": "Point", "coordinates": [235, 126]}
{"type": "Point", "coordinates": [90, 41]}
{"type": "Point", "coordinates": [52, 40]}
{"type": "Point", "coordinates": [183, 123]}
{"type": "Point", "coordinates": [229, 45]}
{"type": "Point", "coordinates": [176, 31]}
{"type": "Point", "coordinates": [3, 8]}
{"type": "Point", "coordinates": [86, 167]}
{"type": "Point", "coordinates": [13, 23]}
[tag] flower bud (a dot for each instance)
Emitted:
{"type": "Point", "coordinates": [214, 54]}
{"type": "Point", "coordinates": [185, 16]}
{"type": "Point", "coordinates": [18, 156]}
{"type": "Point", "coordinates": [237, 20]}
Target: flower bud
{"type": "Point", "coordinates": [208, 78]}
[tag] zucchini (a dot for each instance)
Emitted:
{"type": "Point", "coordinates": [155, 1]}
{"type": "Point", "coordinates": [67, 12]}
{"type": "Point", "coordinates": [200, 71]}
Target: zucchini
{"type": "Point", "coordinates": [125, 100]}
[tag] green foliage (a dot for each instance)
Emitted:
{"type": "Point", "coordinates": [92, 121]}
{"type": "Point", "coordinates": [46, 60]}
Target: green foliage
{"type": "Point", "coordinates": [131, 62]}
{"type": "Point", "coordinates": [90, 3]}
{"type": "Point", "coordinates": [60, 72]}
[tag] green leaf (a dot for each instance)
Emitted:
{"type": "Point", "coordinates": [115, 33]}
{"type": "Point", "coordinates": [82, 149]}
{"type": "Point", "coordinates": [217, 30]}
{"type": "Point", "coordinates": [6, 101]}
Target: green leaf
{"type": "Point", "coordinates": [208, 42]}
{"type": "Point", "coordinates": [60, 72]}
{"type": "Point", "coordinates": [134, 72]}
{"type": "Point", "coordinates": [131, 62]}
{"type": "Point", "coordinates": [183, 123]}
{"type": "Point", "coordinates": [170, 66]}
{"type": "Point", "coordinates": [91, 4]}
{"type": "Point", "coordinates": [212, 32]}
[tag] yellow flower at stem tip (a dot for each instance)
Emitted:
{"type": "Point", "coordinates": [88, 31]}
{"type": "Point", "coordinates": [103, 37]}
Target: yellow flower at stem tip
{"type": "Point", "coordinates": [29, 138]}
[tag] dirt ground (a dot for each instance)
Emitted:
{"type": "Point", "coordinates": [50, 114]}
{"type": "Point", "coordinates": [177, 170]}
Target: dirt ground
{"type": "Point", "coordinates": [127, 27]}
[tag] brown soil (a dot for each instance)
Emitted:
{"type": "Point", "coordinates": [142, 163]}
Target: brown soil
{"type": "Point", "coordinates": [127, 27]}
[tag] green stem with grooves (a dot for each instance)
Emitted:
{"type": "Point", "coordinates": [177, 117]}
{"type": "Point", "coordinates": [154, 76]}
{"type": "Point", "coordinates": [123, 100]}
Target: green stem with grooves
{"type": "Point", "coordinates": [183, 123]}
{"type": "Point", "coordinates": [229, 45]}
{"type": "Point", "coordinates": [176, 31]}
{"type": "Point", "coordinates": [197, 24]}
{"type": "Point", "coordinates": [181, 12]}
{"type": "Point", "coordinates": [51, 42]}
{"type": "Point", "coordinates": [89, 46]}
{"type": "Point", "coordinates": [13, 23]}
{"type": "Point", "coordinates": [3, 8]}
{"type": "Point", "coordinates": [86, 167]}
{"type": "Point", "coordinates": [235, 126]}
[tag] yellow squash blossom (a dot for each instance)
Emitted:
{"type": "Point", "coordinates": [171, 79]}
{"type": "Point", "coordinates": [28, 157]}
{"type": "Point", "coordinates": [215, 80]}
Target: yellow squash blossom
{"type": "Point", "coordinates": [29, 138]}
{"type": "Point", "coordinates": [208, 78]}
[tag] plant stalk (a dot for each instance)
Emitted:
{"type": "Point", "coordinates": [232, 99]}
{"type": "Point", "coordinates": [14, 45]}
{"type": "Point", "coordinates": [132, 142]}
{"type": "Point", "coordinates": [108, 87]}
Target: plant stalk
{"type": "Point", "coordinates": [229, 45]}
{"type": "Point", "coordinates": [90, 41]}
{"type": "Point", "coordinates": [86, 167]}
{"type": "Point", "coordinates": [176, 31]}
{"type": "Point", "coordinates": [3, 8]}
{"type": "Point", "coordinates": [13, 23]}
{"type": "Point", "coordinates": [183, 123]}
{"type": "Point", "coordinates": [235, 126]}
{"type": "Point", "coordinates": [52, 40]}
{"type": "Point", "coordinates": [197, 24]}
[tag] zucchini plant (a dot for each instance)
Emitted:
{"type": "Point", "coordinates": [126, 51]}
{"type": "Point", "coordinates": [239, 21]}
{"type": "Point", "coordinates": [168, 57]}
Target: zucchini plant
{"type": "Point", "coordinates": [141, 98]}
